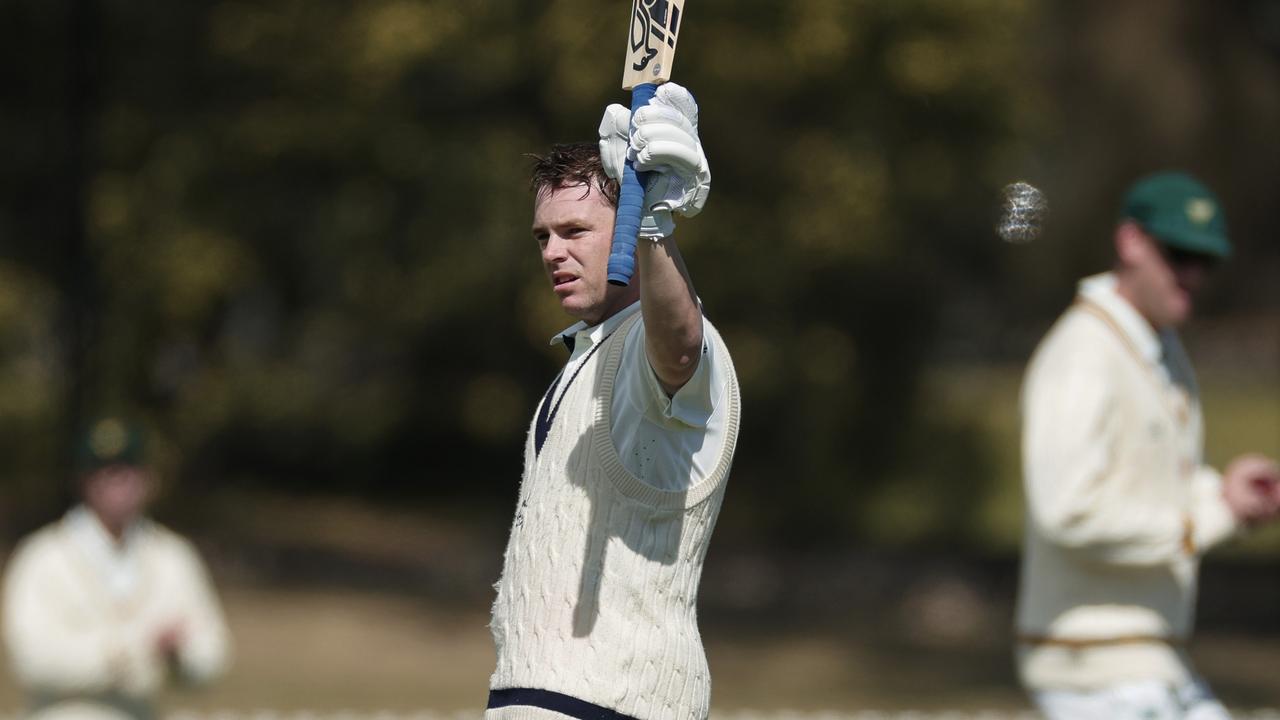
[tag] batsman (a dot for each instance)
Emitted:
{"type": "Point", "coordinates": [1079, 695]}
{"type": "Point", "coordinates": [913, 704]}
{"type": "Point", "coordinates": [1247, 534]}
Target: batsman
{"type": "Point", "coordinates": [629, 450]}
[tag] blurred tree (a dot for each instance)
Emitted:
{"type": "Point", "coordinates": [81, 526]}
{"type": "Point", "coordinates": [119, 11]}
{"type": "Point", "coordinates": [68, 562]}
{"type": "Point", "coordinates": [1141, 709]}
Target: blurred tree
{"type": "Point", "coordinates": [308, 264]}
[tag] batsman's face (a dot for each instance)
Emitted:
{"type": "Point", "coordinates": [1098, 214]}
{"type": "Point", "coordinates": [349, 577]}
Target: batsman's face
{"type": "Point", "coordinates": [574, 230]}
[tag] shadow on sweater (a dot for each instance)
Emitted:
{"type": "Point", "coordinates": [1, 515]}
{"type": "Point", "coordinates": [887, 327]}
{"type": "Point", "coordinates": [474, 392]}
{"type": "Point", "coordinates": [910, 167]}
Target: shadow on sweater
{"type": "Point", "coordinates": [652, 533]}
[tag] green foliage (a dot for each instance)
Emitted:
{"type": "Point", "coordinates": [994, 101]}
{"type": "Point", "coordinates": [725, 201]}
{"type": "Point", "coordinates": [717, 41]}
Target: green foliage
{"type": "Point", "coordinates": [306, 255]}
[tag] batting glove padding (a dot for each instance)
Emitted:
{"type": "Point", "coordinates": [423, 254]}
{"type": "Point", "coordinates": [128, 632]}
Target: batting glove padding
{"type": "Point", "coordinates": [662, 139]}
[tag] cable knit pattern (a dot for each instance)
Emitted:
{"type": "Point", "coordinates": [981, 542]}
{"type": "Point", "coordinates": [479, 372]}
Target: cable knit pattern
{"type": "Point", "coordinates": [597, 597]}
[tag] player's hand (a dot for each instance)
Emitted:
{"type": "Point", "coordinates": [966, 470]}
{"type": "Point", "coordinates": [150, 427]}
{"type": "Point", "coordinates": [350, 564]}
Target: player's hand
{"type": "Point", "coordinates": [1251, 487]}
{"type": "Point", "coordinates": [170, 640]}
{"type": "Point", "coordinates": [661, 139]}
{"type": "Point", "coordinates": [664, 140]}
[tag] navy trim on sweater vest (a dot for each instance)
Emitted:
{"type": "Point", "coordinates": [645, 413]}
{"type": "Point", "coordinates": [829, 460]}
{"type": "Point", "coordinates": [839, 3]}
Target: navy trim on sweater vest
{"type": "Point", "coordinates": [553, 701]}
{"type": "Point", "coordinates": [546, 412]}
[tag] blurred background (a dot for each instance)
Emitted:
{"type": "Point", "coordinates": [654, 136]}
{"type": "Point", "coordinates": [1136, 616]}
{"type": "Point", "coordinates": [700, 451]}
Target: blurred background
{"type": "Point", "coordinates": [292, 236]}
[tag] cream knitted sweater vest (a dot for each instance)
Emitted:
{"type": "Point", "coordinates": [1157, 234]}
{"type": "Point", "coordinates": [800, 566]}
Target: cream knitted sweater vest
{"type": "Point", "coordinates": [597, 596]}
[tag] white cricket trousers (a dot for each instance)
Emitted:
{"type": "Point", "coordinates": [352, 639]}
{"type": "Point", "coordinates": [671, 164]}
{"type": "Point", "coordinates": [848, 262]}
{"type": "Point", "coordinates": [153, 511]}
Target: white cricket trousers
{"type": "Point", "coordinates": [1133, 701]}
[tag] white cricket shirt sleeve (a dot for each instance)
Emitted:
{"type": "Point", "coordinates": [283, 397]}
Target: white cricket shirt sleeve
{"type": "Point", "coordinates": [205, 648]}
{"type": "Point", "coordinates": [690, 407]}
{"type": "Point", "coordinates": [1214, 522]}
{"type": "Point", "coordinates": [670, 442]}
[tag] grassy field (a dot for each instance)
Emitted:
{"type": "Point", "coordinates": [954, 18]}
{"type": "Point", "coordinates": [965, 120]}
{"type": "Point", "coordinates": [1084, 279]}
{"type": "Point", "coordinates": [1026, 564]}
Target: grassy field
{"type": "Point", "coordinates": [335, 651]}
{"type": "Point", "coordinates": [403, 627]}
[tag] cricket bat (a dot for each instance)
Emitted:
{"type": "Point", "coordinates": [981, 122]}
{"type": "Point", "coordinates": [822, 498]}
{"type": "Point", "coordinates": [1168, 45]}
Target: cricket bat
{"type": "Point", "coordinates": [651, 48]}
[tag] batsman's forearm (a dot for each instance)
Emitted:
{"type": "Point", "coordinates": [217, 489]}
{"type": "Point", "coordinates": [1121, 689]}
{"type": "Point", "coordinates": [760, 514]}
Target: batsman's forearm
{"type": "Point", "coordinates": [672, 316]}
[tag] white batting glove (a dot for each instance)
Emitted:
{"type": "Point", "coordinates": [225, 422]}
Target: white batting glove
{"type": "Point", "coordinates": [661, 139]}
{"type": "Point", "coordinates": [664, 139]}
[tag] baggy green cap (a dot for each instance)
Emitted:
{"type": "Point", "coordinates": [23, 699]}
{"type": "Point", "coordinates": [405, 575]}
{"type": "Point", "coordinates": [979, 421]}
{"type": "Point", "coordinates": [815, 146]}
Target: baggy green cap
{"type": "Point", "coordinates": [1180, 212]}
{"type": "Point", "coordinates": [110, 441]}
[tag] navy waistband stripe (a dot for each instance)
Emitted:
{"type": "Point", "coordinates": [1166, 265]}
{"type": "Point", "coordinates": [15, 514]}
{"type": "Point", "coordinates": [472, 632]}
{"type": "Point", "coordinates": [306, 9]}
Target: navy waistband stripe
{"type": "Point", "coordinates": [554, 701]}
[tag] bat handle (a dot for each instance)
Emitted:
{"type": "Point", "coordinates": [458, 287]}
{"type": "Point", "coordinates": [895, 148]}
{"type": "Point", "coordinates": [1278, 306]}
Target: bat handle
{"type": "Point", "coordinates": [622, 254]}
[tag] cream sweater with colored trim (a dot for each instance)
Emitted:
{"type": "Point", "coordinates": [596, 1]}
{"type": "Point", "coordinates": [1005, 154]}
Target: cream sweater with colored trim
{"type": "Point", "coordinates": [600, 579]}
{"type": "Point", "coordinates": [1120, 505]}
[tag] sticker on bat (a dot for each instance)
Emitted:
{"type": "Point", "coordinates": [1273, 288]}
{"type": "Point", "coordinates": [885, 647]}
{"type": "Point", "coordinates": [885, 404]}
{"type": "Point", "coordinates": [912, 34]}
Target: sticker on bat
{"type": "Point", "coordinates": [652, 20]}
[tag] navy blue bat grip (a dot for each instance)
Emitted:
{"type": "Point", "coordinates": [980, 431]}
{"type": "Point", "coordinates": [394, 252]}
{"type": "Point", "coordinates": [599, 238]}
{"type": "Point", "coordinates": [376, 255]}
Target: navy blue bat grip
{"type": "Point", "coordinates": [622, 254]}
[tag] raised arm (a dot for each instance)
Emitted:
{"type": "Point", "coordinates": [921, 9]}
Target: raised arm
{"type": "Point", "coordinates": [662, 140]}
{"type": "Point", "coordinates": [672, 316]}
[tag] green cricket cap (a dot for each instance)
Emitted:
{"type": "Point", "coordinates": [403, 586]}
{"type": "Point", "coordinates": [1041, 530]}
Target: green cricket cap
{"type": "Point", "coordinates": [110, 441]}
{"type": "Point", "coordinates": [1180, 212]}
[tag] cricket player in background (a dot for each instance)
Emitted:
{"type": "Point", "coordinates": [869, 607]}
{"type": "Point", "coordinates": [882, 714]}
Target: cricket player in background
{"type": "Point", "coordinates": [103, 606]}
{"type": "Point", "coordinates": [628, 453]}
{"type": "Point", "coordinates": [1121, 504]}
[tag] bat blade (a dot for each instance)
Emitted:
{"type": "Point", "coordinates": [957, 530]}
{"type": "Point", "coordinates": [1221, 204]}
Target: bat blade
{"type": "Point", "coordinates": [651, 49]}
{"type": "Point", "coordinates": [651, 41]}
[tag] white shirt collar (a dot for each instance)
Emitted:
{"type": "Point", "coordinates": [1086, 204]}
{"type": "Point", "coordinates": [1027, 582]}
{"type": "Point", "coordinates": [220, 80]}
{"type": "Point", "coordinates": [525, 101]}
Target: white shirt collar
{"type": "Point", "coordinates": [1101, 290]}
{"type": "Point", "coordinates": [88, 530]}
{"type": "Point", "coordinates": [585, 336]}
{"type": "Point", "coordinates": [117, 563]}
